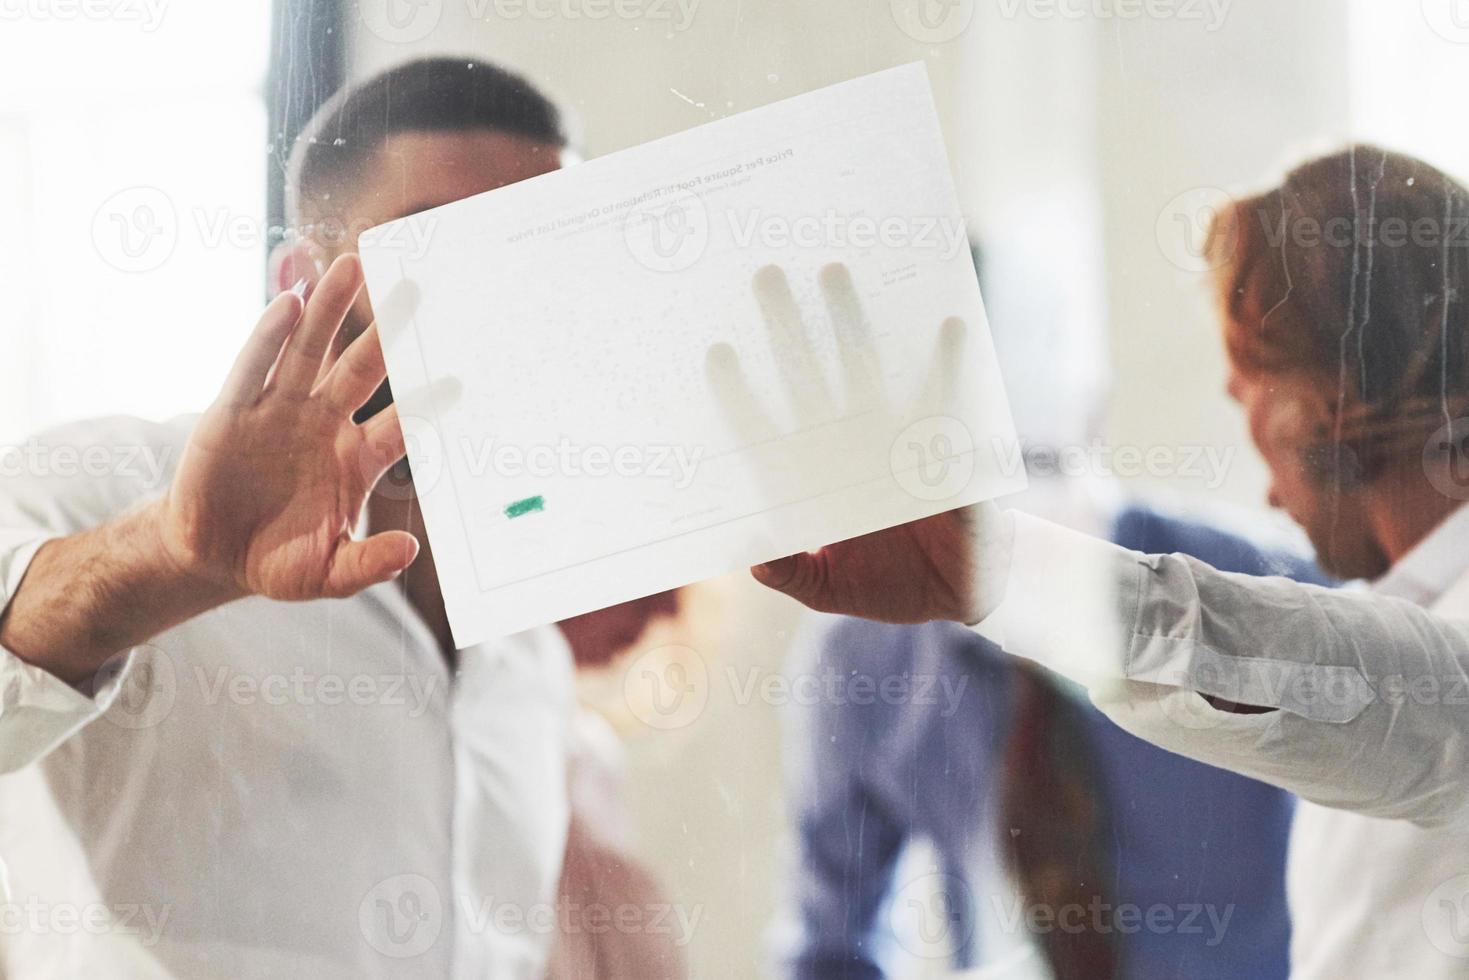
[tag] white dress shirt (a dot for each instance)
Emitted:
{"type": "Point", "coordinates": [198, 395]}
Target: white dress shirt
{"type": "Point", "coordinates": [270, 789]}
{"type": "Point", "coordinates": [1378, 898]}
{"type": "Point", "coordinates": [1372, 726]}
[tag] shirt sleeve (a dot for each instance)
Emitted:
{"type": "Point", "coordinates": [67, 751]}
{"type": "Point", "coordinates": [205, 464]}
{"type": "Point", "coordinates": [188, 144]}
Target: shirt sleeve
{"type": "Point", "coordinates": [62, 482]}
{"type": "Point", "coordinates": [1370, 693]}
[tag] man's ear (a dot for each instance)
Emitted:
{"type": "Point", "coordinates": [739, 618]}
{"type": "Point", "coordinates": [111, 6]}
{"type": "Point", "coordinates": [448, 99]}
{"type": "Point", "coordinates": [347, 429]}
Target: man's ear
{"type": "Point", "coordinates": [293, 264]}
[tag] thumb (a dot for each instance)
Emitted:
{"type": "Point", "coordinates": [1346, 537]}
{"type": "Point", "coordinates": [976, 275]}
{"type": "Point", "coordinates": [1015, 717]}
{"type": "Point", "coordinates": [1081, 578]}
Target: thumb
{"type": "Point", "coordinates": [799, 576]}
{"type": "Point", "coordinates": [359, 564]}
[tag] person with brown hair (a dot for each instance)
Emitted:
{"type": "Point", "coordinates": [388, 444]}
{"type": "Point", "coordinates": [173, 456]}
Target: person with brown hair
{"type": "Point", "coordinates": [1346, 318]}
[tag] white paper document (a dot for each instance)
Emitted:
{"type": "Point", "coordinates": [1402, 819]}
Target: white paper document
{"type": "Point", "coordinates": [750, 339]}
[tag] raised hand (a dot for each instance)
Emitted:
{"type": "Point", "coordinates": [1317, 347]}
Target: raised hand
{"type": "Point", "coordinates": [274, 479]}
{"type": "Point", "coordinates": [916, 572]}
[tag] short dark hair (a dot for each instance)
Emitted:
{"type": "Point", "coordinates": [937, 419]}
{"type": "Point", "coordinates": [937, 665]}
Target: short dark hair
{"type": "Point", "coordinates": [429, 94]}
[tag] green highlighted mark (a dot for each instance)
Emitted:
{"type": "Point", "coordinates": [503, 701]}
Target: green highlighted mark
{"type": "Point", "coordinates": [527, 506]}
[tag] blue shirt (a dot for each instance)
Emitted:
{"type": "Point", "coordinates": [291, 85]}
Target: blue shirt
{"type": "Point", "coordinates": [869, 774]}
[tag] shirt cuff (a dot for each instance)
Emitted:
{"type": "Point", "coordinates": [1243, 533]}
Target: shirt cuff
{"type": "Point", "coordinates": [1070, 602]}
{"type": "Point", "coordinates": [38, 710]}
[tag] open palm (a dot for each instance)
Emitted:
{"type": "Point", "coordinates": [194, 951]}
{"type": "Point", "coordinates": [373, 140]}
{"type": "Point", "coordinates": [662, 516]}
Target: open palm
{"type": "Point", "coordinates": [274, 479]}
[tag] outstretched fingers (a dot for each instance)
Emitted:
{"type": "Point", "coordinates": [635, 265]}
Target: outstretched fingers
{"type": "Point", "coordinates": [794, 356]}
{"type": "Point", "coordinates": [252, 366]}
{"type": "Point", "coordinates": [943, 387]}
{"type": "Point", "coordinates": [301, 361]}
{"type": "Point", "coordinates": [383, 444]}
{"type": "Point", "coordinates": [861, 379]}
{"type": "Point", "coordinates": [357, 374]}
{"type": "Point", "coordinates": [742, 410]}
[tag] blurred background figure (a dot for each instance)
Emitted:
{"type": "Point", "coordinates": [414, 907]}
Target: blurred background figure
{"type": "Point", "coordinates": [991, 788]}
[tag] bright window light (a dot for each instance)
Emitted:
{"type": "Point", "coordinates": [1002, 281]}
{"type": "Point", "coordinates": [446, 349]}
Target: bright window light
{"type": "Point", "coordinates": [132, 189]}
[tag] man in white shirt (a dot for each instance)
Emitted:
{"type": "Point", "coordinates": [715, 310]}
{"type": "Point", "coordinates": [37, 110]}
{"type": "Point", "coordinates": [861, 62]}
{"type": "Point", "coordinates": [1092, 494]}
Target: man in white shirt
{"type": "Point", "coordinates": [233, 746]}
{"type": "Point", "coordinates": [1345, 298]}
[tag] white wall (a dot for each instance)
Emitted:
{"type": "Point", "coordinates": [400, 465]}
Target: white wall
{"type": "Point", "coordinates": [1187, 110]}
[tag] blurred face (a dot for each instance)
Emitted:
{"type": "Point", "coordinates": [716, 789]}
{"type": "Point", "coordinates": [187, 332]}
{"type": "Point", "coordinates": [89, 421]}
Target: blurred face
{"type": "Point", "coordinates": [416, 171]}
{"type": "Point", "coordinates": [598, 637]}
{"type": "Point", "coordinates": [1287, 415]}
